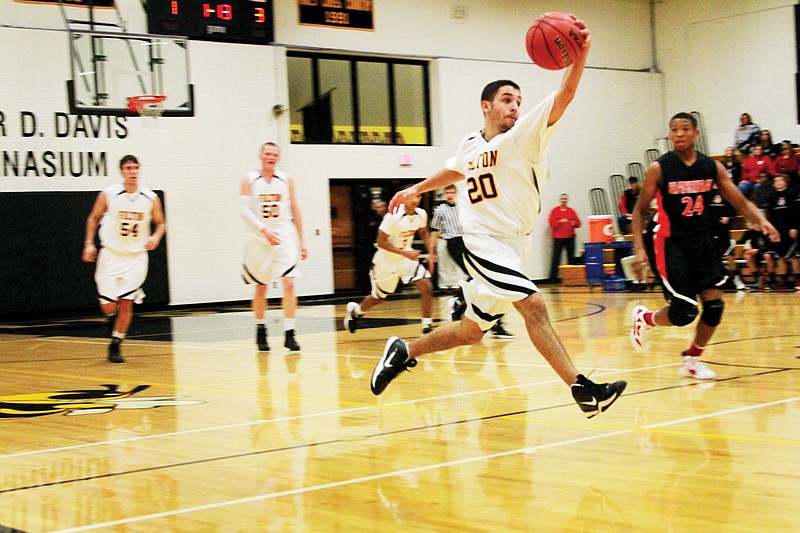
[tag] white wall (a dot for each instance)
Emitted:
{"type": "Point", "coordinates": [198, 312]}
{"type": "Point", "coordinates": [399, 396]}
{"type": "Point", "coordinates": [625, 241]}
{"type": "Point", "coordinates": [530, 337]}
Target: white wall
{"type": "Point", "coordinates": [619, 110]}
{"type": "Point", "coordinates": [724, 58]}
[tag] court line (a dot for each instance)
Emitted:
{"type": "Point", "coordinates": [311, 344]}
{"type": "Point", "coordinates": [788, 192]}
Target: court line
{"type": "Point", "coordinates": [300, 417]}
{"type": "Point", "coordinates": [417, 469]}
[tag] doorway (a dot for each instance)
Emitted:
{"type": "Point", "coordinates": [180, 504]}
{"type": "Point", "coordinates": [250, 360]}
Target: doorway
{"type": "Point", "coordinates": [354, 227]}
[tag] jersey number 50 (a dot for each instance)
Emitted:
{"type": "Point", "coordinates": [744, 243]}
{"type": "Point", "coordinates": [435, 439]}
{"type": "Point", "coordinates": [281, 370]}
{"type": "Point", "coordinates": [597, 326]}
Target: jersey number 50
{"type": "Point", "coordinates": [481, 188]}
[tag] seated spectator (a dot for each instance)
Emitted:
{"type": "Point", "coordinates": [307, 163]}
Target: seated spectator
{"type": "Point", "coordinates": [781, 207]}
{"type": "Point", "coordinates": [763, 192]}
{"type": "Point", "coordinates": [788, 162]}
{"type": "Point", "coordinates": [755, 244]}
{"type": "Point", "coordinates": [721, 214]}
{"type": "Point", "coordinates": [730, 160]}
{"type": "Point", "coordinates": [765, 141]}
{"type": "Point", "coordinates": [746, 134]}
{"type": "Point", "coordinates": [753, 166]}
{"type": "Point", "coordinates": [627, 202]}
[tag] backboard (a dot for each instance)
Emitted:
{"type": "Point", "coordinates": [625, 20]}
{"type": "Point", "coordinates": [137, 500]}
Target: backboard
{"type": "Point", "coordinates": [107, 68]}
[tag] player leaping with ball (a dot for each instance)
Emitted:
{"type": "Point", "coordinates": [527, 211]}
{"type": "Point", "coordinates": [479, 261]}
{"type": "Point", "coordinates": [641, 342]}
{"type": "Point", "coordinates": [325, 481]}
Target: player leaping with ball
{"type": "Point", "coordinates": [505, 167]}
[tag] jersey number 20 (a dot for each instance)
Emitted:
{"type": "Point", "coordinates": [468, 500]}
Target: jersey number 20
{"type": "Point", "coordinates": [481, 188]}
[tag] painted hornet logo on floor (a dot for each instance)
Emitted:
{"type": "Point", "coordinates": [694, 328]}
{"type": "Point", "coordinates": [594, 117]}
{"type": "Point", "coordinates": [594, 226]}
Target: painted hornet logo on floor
{"type": "Point", "coordinates": [83, 402]}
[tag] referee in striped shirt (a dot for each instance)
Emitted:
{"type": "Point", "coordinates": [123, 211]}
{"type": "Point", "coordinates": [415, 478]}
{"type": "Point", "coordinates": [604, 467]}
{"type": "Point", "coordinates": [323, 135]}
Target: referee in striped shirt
{"type": "Point", "coordinates": [445, 221]}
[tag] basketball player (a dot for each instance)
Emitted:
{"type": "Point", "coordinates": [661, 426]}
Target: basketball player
{"type": "Point", "coordinates": [274, 245]}
{"type": "Point", "coordinates": [682, 182]}
{"type": "Point", "coordinates": [505, 166]}
{"type": "Point", "coordinates": [124, 213]}
{"type": "Point", "coordinates": [396, 261]}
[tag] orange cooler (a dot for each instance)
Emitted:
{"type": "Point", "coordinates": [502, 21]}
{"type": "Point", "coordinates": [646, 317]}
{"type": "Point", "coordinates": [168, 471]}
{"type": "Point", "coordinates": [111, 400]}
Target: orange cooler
{"type": "Point", "coordinates": [601, 228]}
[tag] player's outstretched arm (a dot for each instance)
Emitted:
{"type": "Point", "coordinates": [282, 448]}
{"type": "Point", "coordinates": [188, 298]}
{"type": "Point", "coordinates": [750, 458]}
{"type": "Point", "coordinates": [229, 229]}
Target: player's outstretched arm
{"type": "Point", "coordinates": [572, 77]}
{"type": "Point", "coordinates": [441, 179]}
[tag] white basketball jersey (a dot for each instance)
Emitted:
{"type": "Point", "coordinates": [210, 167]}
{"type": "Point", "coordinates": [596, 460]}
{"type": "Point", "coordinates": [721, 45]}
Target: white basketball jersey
{"type": "Point", "coordinates": [401, 229]}
{"type": "Point", "coordinates": [270, 201]}
{"type": "Point", "coordinates": [125, 225]}
{"type": "Point", "coordinates": [505, 176]}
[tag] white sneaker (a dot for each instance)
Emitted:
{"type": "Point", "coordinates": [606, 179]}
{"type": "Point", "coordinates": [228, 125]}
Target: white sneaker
{"type": "Point", "coordinates": [693, 367]}
{"type": "Point", "coordinates": [351, 317]}
{"type": "Point", "coordinates": [738, 283]}
{"type": "Point", "coordinates": [640, 334]}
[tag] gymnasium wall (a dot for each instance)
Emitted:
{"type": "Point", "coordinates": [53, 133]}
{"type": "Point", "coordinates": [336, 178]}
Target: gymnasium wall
{"type": "Point", "coordinates": [725, 58]}
{"type": "Point", "coordinates": [618, 113]}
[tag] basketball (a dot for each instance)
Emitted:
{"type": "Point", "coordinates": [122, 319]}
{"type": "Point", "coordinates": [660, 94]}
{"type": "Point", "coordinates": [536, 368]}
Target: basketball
{"type": "Point", "coordinates": [553, 40]}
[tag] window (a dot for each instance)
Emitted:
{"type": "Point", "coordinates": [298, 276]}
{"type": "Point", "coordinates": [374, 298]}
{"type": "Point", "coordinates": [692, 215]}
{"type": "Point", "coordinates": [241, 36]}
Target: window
{"type": "Point", "coordinates": [357, 100]}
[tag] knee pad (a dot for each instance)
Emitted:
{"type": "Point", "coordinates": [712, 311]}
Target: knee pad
{"type": "Point", "coordinates": [712, 312]}
{"type": "Point", "coordinates": [681, 312]}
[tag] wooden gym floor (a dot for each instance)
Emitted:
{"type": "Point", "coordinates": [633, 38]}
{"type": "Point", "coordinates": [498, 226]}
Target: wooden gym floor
{"type": "Point", "coordinates": [197, 431]}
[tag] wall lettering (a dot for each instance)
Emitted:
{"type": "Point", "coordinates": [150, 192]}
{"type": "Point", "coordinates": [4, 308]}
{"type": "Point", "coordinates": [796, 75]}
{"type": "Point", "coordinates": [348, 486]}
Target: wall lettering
{"type": "Point", "coordinates": [17, 162]}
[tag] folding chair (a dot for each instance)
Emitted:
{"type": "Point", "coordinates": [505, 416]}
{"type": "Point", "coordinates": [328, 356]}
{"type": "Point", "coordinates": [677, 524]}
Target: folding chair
{"type": "Point", "coordinates": [651, 155]}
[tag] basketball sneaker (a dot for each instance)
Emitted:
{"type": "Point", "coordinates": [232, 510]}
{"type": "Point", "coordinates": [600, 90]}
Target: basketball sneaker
{"type": "Point", "coordinates": [114, 354]}
{"type": "Point", "coordinates": [739, 284]}
{"type": "Point", "coordinates": [456, 308]}
{"type": "Point", "coordinates": [393, 361]}
{"type": "Point", "coordinates": [290, 342]}
{"type": "Point", "coordinates": [351, 317]}
{"type": "Point", "coordinates": [594, 399]}
{"type": "Point", "coordinates": [640, 334]}
{"type": "Point", "coordinates": [261, 338]}
{"type": "Point", "coordinates": [427, 329]}
{"type": "Point", "coordinates": [693, 367]}
{"type": "Point", "coordinates": [500, 332]}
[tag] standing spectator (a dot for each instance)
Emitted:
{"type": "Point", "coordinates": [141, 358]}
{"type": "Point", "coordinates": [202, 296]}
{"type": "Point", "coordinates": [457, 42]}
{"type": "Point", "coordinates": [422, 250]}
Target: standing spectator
{"type": "Point", "coordinates": [756, 163]}
{"type": "Point", "coordinates": [733, 166]}
{"type": "Point", "coordinates": [685, 254]}
{"type": "Point", "coordinates": [397, 261]}
{"type": "Point", "coordinates": [746, 134]}
{"type": "Point", "coordinates": [505, 166]}
{"type": "Point", "coordinates": [627, 202]}
{"type": "Point", "coordinates": [124, 213]}
{"type": "Point", "coordinates": [563, 221]}
{"type": "Point", "coordinates": [274, 245]}
{"type": "Point", "coordinates": [375, 219]}
{"type": "Point", "coordinates": [447, 249]}
{"type": "Point", "coordinates": [787, 162]}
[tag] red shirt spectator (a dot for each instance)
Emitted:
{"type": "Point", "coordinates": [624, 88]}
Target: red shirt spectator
{"type": "Point", "coordinates": [757, 163]}
{"type": "Point", "coordinates": [787, 162]}
{"type": "Point", "coordinates": [564, 220]}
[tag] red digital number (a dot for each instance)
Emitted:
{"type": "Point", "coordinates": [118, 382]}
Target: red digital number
{"type": "Point", "coordinates": [260, 15]}
{"type": "Point", "coordinates": [174, 7]}
{"type": "Point", "coordinates": [222, 11]}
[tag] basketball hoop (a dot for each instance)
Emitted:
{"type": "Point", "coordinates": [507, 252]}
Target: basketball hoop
{"type": "Point", "coordinates": [147, 105]}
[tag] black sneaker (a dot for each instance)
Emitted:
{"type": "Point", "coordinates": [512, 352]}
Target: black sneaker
{"type": "Point", "coordinates": [500, 332]}
{"type": "Point", "coordinates": [427, 329]}
{"type": "Point", "coordinates": [456, 306]}
{"type": "Point", "coordinates": [114, 354]}
{"type": "Point", "coordinates": [290, 342]}
{"type": "Point", "coordinates": [594, 399]}
{"type": "Point", "coordinates": [394, 360]}
{"type": "Point", "coordinates": [351, 317]}
{"type": "Point", "coordinates": [261, 338]}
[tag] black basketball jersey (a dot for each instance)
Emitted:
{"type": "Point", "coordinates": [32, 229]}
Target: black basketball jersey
{"type": "Point", "coordinates": [719, 208]}
{"type": "Point", "coordinates": [683, 195]}
{"type": "Point", "coordinates": [781, 210]}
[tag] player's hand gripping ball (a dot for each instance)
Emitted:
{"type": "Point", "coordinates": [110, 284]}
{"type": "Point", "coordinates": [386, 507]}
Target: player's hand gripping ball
{"type": "Point", "coordinates": [554, 40]}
